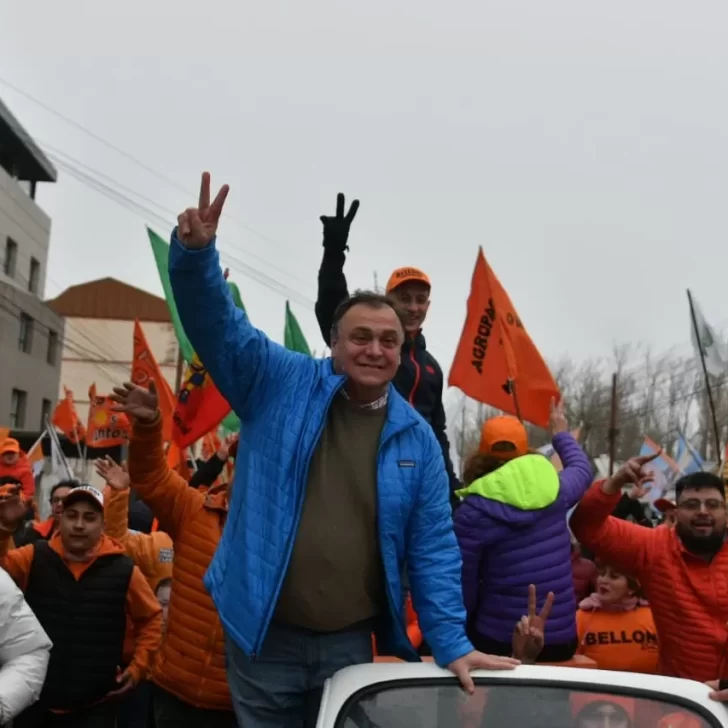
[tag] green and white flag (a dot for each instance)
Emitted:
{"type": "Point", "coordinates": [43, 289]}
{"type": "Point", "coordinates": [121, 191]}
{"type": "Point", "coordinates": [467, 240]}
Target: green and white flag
{"type": "Point", "coordinates": [707, 342]}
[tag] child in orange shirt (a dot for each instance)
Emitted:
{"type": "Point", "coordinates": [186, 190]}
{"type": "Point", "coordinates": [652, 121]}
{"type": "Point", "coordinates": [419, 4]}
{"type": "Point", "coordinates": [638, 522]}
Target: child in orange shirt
{"type": "Point", "coordinates": [615, 625]}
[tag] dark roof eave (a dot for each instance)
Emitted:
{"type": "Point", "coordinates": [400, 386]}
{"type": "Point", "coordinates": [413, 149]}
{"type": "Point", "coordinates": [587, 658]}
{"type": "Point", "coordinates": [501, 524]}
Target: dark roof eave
{"type": "Point", "coordinates": [44, 170]}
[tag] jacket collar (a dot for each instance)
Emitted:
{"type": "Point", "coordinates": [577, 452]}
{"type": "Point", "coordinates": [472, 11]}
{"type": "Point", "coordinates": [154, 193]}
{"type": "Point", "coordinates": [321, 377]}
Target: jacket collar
{"type": "Point", "coordinates": [44, 528]}
{"type": "Point", "coordinates": [417, 341]}
{"type": "Point", "coordinates": [400, 415]}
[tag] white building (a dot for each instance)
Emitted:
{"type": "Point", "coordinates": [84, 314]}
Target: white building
{"type": "Point", "coordinates": [99, 341]}
{"type": "Point", "coordinates": [29, 331]}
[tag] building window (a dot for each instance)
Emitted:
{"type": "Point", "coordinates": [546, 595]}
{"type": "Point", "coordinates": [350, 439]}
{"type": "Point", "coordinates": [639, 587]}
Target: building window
{"type": "Point", "coordinates": [25, 341]}
{"type": "Point", "coordinates": [34, 277]}
{"type": "Point", "coordinates": [17, 409]}
{"type": "Point", "coordinates": [45, 413]}
{"type": "Point", "coordinates": [52, 353]}
{"type": "Point", "coordinates": [11, 257]}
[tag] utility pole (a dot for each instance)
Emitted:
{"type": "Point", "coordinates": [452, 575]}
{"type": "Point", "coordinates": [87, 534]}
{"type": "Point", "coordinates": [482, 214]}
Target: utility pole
{"type": "Point", "coordinates": [376, 282]}
{"type": "Point", "coordinates": [613, 431]}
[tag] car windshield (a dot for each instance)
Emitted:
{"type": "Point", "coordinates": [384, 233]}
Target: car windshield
{"type": "Point", "coordinates": [504, 705]}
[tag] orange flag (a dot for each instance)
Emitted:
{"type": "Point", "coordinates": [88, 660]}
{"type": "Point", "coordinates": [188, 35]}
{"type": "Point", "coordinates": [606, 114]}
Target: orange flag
{"type": "Point", "coordinates": [65, 418]}
{"type": "Point", "coordinates": [496, 362]}
{"type": "Point", "coordinates": [145, 368]}
{"type": "Point", "coordinates": [106, 428]}
{"type": "Point", "coordinates": [4, 434]}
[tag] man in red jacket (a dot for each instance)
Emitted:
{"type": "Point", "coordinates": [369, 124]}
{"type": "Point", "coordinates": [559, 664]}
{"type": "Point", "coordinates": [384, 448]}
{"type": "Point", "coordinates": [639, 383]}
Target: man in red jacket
{"type": "Point", "coordinates": [683, 570]}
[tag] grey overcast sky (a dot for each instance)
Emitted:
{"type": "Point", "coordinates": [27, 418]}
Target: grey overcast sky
{"type": "Point", "coordinates": [583, 144]}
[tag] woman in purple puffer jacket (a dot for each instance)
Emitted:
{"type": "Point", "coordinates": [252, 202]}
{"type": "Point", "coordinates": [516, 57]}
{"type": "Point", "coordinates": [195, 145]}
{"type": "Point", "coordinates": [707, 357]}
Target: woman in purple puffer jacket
{"type": "Point", "coordinates": [512, 531]}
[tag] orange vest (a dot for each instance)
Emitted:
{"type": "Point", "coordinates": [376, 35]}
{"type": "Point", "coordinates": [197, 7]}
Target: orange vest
{"type": "Point", "coordinates": [625, 641]}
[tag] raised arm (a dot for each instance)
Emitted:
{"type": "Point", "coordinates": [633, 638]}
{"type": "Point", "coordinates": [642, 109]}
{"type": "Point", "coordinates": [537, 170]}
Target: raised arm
{"type": "Point", "coordinates": [332, 288]}
{"type": "Point", "coordinates": [246, 366]}
{"type": "Point", "coordinates": [172, 501]}
{"type": "Point", "coordinates": [577, 475]}
{"type": "Point", "coordinates": [145, 549]}
{"type": "Point", "coordinates": [626, 546]}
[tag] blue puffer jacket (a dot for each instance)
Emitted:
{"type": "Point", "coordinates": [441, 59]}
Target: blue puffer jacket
{"type": "Point", "coordinates": [282, 399]}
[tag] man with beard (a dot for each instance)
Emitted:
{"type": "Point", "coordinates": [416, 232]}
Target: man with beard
{"type": "Point", "coordinates": [683, 570]}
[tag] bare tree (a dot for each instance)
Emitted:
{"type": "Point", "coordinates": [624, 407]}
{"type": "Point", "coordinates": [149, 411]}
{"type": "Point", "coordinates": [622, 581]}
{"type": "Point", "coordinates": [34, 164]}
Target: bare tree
{"type": "Point", "coordinates": [659, 396]}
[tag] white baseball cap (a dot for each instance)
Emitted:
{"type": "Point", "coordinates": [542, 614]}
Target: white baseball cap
{"type": "Point", "coordinates": [85, 492]}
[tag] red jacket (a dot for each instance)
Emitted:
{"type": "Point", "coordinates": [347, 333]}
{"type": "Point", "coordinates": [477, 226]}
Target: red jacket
{"type": "Point", "coordinates": [585, 576]}
{"type": "Point", "coordinates": [24, 473]}
{"type": "Point", "coordinates": [689, 596]}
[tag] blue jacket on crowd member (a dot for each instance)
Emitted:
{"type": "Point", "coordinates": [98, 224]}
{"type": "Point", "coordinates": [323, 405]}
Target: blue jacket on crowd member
{"type": "Point", "coordinates": [282, 399]}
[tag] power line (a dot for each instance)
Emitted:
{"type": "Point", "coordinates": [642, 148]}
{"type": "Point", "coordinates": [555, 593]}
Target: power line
{"type": "Point", "coordinates": [74, 166]}
{"type": "Point", "coordinates": [146, 213]}
{"type": "Point", "coordinates": [130, 157]}
{"type": "Point", "coordinates": [90, 357]}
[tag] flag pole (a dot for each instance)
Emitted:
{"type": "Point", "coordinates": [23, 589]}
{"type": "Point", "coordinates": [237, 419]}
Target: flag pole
{"type": "Point", "coordinates": [613, 431]}
{"type": "Point", "coordinates": [514, 394]}
{"type": "Point", "coordinates": [711, 403]}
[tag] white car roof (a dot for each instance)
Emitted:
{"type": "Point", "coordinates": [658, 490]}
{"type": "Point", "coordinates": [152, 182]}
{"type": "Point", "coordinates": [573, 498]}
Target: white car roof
{"type": "Point", "coordinates": [350, 680]}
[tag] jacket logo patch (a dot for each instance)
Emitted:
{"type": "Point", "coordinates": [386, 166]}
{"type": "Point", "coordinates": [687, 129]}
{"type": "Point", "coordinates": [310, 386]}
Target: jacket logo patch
{"type": "Point", "coordinates": [406, 463]}
{"type": "Point", "coordinates": [429, 369]}
{"type": "Point", "coordinates": [166, 556]}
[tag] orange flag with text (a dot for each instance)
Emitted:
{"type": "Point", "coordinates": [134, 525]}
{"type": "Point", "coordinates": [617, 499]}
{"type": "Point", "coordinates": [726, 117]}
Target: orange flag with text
{"type": "Point", "coordinates": [144, 368]}
{"type": "Point", "coordinates": [496, 361]}
{"type": "Point", "coordinates": [65, 418]}
{"type": "Point", "coordinates": [105, 428]}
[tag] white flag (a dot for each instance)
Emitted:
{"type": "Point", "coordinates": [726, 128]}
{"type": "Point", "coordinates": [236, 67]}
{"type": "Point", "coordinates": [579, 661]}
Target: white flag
{"type": "Point", "coordinates": [708, 344]}
{"type": "Point", "coordinates": [59, 465]}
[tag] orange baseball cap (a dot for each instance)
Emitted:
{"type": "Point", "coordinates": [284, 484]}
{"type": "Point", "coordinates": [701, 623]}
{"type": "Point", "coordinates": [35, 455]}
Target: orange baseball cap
{"type": "Point", "coordinates": [404, 275]}
{"type": "Point", "coordinates": [9, 445]}
{"type": "Point", "coordinates": [504, 438]}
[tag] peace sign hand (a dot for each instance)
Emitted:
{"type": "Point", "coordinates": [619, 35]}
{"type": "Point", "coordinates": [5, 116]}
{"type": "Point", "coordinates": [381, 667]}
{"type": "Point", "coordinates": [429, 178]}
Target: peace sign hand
{"type": "Point", "coordinates": [197, 226]}
{"type": "Point", "coordinates": [528, 634]}
{"type": "Point", "coordinates": [336, 229]}
{"type": "Point", "coordinates": [557, 417]}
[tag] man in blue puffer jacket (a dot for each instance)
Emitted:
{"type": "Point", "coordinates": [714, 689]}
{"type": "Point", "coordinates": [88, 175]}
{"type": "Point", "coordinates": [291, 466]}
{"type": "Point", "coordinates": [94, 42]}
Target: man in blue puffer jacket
{"type": "Point", "coordinates": [338, 483]}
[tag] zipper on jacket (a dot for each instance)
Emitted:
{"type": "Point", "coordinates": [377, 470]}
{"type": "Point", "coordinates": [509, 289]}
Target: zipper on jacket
{"type": "Point", "coordinates": [294, 532]}
{"type": "Point", "coordinates": [418, 373]}
{"type": "Point", "coordinates": [390, 597]}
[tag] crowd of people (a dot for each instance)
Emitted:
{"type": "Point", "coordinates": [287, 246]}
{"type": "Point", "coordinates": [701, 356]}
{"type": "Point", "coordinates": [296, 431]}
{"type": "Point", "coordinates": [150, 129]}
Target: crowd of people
{"type": "Point", "coordinates": [344, 534]}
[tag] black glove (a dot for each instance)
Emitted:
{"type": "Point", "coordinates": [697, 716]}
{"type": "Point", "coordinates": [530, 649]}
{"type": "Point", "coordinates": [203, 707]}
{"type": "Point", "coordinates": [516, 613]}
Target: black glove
{"type": "Point", "coordinates": [336, 229]}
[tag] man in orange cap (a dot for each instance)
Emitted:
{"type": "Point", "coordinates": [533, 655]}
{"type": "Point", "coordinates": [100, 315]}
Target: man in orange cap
{"type": "Point", "coordinates": [14, 463]}
{"type": "Point", "coordinates": [419, 377]}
